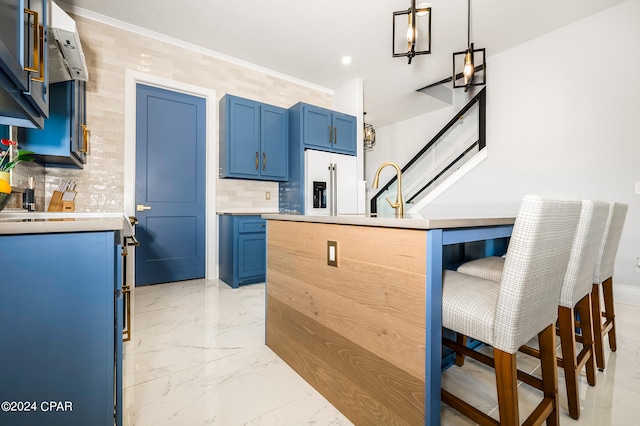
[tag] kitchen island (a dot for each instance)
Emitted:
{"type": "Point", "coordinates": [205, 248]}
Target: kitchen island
{"type": "Point", "coordinates": [354, 306]}
{"type": "Point", "coordinates": [61, 319]}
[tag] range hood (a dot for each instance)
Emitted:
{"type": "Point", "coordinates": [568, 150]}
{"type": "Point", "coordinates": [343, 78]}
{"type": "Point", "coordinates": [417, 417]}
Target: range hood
{"type": "Point", "coordinates": [66, 59]}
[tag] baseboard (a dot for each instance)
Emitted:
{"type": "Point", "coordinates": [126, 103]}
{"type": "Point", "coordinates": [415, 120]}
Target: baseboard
{"type": "Point", "coordinates": [627, 294]}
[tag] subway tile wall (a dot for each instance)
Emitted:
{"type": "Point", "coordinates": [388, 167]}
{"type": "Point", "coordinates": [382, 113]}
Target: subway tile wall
{"type": "Point", "coordinates": [109, 51]}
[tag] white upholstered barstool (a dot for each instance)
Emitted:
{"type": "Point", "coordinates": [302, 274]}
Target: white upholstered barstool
{"type": "Point", "coordinates": [575, 295]}
{"type": "Point", "coordinates": [521, 306]}
{"type": "Point", "coordinates": [603, 278]}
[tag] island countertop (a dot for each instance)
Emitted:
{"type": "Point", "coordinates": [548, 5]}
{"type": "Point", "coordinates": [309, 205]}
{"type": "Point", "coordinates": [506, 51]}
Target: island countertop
{"type": "Point", "coordinates": [42, 223]}
{"type": "Point", "coordinates": [441, 221]}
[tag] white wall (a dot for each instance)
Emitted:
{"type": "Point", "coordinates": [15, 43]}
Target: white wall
{"type": "Point", "coordinates": [562, 120]}
{"type": "Point", "coordinates": [349, 99]}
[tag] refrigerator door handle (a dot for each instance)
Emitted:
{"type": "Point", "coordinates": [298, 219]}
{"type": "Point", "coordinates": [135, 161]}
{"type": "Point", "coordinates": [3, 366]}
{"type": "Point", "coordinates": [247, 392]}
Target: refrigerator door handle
{"type": "Point", "coordinates": [334, 192]}
{"type": "Point", "coordinates": [330, 189]}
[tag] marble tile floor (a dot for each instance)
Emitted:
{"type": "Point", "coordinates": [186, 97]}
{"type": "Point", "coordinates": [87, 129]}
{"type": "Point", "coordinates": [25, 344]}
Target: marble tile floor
{"type": "Point", "coordinates": [197, 357]}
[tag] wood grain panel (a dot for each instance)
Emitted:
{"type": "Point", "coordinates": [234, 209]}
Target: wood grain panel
{"type": "Point", "coordinates": [375, 297]}
{"type": "Point", "coordinates": [365, 388]}
{"type": "Point", "coordinates": [366, 316]}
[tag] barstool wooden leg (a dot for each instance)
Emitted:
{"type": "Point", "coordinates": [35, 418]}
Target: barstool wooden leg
{"type": "Point", "coordinates": [597, 326]}
{"type": "Point", "coordinates": [567, 327]}
{"type": "Point", "coordinates": [586, 324]}
{"type": "Point", "coordinates": [549, 367]}
{"type": "Point", "coordinates": [507, 386]}
{"type": "Point", "coordinates": [609, 313]}
{"type": "Point", "coordinates": [461, 339]}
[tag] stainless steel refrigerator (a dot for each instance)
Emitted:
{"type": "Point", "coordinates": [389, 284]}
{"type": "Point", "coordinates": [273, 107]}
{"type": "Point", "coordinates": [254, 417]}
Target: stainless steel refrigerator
{"type": "Point", "coordinates": [330, 183]}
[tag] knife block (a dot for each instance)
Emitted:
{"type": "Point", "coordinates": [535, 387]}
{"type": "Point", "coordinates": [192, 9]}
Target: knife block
{"type": "Point", "coordinates": [57, 204]}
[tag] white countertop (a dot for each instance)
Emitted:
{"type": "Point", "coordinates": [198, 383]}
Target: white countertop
{"type": "Point", "coordinates": [436, 222]}
{"type": "Point", "coordinates": [246, 211]}
{"type": "Point", "coordinates": [42, 223]}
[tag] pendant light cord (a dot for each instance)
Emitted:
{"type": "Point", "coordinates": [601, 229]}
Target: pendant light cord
{"type": "Point", "coordinates": [469, 23]}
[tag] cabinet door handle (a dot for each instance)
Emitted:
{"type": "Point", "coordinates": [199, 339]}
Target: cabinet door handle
{"type": "Point", "coordinates": [41, 62]}
{"type": "Point", "coordinates": [335, 135]}
{"type": "Point", "coordinates": [36, 54]}
{"type": "Point", "coordinates": [85, 138]}
{"type": "Point", "coordinates": [330, 135]}
{"type": "Point", "coordinates": [264, 161]}
{"type": "Point", "coordinates": [257, 161]}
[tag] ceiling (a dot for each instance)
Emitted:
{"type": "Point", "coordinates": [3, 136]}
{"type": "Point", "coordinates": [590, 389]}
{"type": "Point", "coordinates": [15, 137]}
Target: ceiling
{"type": "Point", "coordinates": [305, 39]}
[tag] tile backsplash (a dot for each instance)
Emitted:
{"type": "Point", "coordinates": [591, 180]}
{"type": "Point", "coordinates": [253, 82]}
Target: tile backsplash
{"type": "Point", "coordinates": [109, 52]}
{"type": "Point", "coordinates": [20, 182]}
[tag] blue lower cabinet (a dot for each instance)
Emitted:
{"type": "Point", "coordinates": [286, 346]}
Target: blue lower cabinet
{"type": "Point", "coordinates": [61, 349]}
{"type": "Point", "coordinates": [242, 249]}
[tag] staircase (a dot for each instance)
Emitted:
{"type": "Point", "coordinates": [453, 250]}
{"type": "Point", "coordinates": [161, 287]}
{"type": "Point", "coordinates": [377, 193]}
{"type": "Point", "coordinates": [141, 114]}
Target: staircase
{"type": "Point", "coordinates": [459, 141]}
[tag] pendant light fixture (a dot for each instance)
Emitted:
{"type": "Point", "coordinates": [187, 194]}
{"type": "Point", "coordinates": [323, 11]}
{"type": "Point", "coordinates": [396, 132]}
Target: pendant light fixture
{"type": "Point", "coordinates": [369, 137]}
{"type": "Point", "coordinates": [369, 133]}
{"type": "Point", "coordinates": [471, 75]}
{"type": "Point", "coordinates": [416, 39]}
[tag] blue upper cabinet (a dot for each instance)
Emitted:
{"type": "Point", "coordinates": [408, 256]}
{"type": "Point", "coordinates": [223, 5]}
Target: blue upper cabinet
{"type": "Point", "coordinates": [323, 129]}
{"type": "Point", "coordinates": [254, 140]}
{"type": "Point", "coordinates": [274, 142]}
{"type": "Point", "coordinates": [316, 128]}
{"type": "Point", "coordinates": [344, 133]}
{"type": "Point", "coordinates": [23, 62]}
{"type": "Point", "coordinates": [65, 137]}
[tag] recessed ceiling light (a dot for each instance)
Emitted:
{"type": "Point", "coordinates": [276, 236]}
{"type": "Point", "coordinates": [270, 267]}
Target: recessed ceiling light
{"type": "Point", "coordinates": [346, 60]}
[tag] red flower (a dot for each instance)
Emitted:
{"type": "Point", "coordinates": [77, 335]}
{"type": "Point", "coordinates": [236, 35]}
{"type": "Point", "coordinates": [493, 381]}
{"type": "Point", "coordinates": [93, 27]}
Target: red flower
{"type": "Point", "coordinates": [6, 163]}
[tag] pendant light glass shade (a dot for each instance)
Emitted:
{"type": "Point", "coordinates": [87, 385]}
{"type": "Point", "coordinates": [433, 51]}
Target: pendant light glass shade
{"type": "Point", "coordinates": [469, 68]}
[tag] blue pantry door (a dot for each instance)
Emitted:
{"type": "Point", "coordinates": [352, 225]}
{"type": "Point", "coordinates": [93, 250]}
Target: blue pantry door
{"type": "Point", "coordinates": [170, 185]}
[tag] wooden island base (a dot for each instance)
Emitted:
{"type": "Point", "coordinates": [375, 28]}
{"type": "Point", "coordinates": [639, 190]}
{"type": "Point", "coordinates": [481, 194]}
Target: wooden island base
{"type": "Point", "coordinates": [356, 331]}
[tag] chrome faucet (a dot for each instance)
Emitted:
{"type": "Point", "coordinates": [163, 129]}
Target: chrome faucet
{"type": "Point", "coordinates": [399, 204]}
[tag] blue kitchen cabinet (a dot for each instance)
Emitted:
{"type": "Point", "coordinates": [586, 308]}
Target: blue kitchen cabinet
{"type": "Point", "coordinates": [61, 331]}
{"type": "Point", "coordinates": [23, 62]}
{"type": "Point", "coordinates": [253, 140]}
{"type": "Point", "coordinates": [242, 249]}
{"type": "Point", "coordinates": [323, 129]}
{"type": "Point", "coordinates": [64, 141]}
